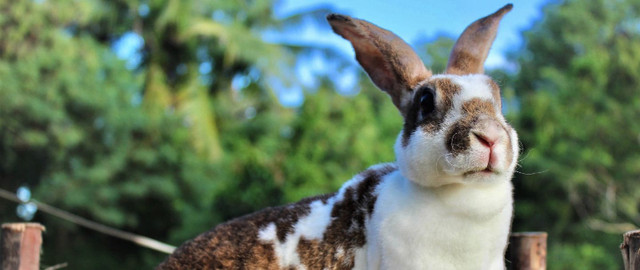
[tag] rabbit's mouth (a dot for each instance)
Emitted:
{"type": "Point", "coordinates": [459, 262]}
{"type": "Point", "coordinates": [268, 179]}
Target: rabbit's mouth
{"type": "Point", "coordinates": [489, 170]}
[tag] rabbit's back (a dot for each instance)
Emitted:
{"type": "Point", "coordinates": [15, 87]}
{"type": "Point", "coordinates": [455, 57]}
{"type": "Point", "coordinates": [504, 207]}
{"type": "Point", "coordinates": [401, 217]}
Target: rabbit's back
{"type": "Point", "coordinates": [323, 232]}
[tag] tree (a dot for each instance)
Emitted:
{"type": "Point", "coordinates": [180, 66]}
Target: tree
{"type": "Point", "coordinates": [72, 127]}
{"type": "Point", "coordinates": [335, 137]}
{"type": "Point", "coordinates": [139, 149]}
{"type": "Point", "coordinates": [577, 90]}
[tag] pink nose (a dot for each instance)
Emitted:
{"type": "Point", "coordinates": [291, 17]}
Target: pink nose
{"type": "Point", "coordinates": [489, 134]}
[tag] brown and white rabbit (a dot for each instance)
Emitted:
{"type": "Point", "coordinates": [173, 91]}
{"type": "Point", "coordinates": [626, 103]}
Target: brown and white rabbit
{"type": "Point", "coordinates": [446, 203]}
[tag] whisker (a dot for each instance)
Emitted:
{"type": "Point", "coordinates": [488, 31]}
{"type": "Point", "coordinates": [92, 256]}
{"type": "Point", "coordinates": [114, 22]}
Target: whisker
{"type": "Point", "coordinates": [453, 140]}
{"type": "Point", "coordinates": [533, 173]}
{"type": "Point", "coordinates": [524, 157]}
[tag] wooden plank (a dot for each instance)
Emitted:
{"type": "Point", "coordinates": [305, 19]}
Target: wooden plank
{"type": "Point", "coordinates": [630, 249]}
{"type": "Point", "coordinates": [527, 251]}
{"type": "Point", "coordinates": [20, 246]}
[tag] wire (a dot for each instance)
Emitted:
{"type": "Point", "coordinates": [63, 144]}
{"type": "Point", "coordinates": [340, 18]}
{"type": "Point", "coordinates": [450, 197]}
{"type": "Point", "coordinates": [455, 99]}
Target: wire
{"type": "Point", "coordinates": [138, 239]}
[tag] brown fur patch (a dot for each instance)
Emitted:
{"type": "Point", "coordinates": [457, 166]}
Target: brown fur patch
{"type": "Point", "coordinates": [445, 90]}
{"type": "Point", "coordinates": [476, 106]}
{"type": "Point", "coordinates": [293, 213]}
{"type": "Point", "coordinates": [317, 255]}
{"type": "Point", "coordinates": [347, 231]}
{"type": "Point", "coordinates": [231, 245]}
{"type": "Point", "coordinates": [458, 140]}
{"type": "Point", "coordinates": [463, 62]}
{"type": "Point", "coordinates": [235, 244]}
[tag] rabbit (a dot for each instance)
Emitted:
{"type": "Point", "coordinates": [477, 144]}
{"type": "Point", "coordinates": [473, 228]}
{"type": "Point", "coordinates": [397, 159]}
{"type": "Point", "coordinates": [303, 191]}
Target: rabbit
{"type": "Point", "coordinates": [446, 203]}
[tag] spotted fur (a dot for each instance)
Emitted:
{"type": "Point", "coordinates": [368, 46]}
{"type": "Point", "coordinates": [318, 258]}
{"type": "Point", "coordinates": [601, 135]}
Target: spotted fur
{"type": "Point", "coordinates": [257, 241]}
{"type": "Point", "coordinates": [445, 91]}
{"type": "Point", "coordinates": [450, 185]}
{"type": "Point", "coordinates": [457, 138]}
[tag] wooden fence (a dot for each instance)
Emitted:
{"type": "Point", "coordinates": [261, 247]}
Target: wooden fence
{"type": "Point", "coordinates": [527, 251]}
{"type": "Point", "coordinates": [20, 248]}
{"type": "Point", "coordinates": [630, 249]}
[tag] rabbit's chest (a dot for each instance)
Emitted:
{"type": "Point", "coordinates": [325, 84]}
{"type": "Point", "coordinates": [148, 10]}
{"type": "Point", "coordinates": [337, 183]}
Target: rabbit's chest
{"type": "Point", "coordinates": [428, 231]}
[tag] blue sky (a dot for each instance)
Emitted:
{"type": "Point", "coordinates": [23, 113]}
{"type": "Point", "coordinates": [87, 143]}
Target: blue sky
{"type": "Point", "coordinates": [413, 20]}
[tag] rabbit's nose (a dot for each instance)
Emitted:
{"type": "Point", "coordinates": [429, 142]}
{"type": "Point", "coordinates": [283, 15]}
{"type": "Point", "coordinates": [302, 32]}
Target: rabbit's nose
{"type": "Point", "coordinates": [484, 139]}
{"type": "Point", "coordinates": [489, 133]}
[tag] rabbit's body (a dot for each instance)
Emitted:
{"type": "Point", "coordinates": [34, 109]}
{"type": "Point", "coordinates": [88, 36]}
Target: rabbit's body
{"type": "Point", "coordinates": [324, 232]}
{"type": "Point", "coordinates": [446, 203]}
{"type": "Point", "coordinates": [377, 220]}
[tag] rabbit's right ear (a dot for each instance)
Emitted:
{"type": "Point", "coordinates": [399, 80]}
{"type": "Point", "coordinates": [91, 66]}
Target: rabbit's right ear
{"type": "Point", "coordinates": [390, 62]}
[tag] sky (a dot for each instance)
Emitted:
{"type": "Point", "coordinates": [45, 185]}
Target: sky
{"type": "Point", "coordinates": [413, 20]}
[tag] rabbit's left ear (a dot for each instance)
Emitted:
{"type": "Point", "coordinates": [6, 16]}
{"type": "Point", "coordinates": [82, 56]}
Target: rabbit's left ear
{"type": "Point", "coordinates": [471, 49]}
{"type": "Point", "coordinates": [390, 62]}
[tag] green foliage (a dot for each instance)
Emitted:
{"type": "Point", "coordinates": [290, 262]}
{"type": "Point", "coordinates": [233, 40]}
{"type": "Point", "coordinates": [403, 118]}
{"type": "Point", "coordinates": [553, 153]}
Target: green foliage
{"type": "Point", "coordinates": [279, 159]}
{"type": "Point", "coordinates": [578, 122]}
{"type": "Point", "coordinates": [168, 149]}
{"type": "Point", "coordinates": [335, 137]}
{"type": "Point", "coordinates": [72, 127]}
{"type": "Point", "coordinates": [141, 149]}
{"type": "Point", "coordinates": [585, 256]}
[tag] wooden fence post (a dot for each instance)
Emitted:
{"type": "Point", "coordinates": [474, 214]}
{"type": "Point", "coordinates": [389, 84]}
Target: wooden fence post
{"type": "Point", "coordinates": [20, 246]}
{"type": "Point", "coordinates": [527, 251]}
{"type": "Point", "coordinates": [630, 249]}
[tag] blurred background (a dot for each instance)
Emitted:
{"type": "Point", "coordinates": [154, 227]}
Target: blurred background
{"type": "Point", "coordinates": [167, 117]}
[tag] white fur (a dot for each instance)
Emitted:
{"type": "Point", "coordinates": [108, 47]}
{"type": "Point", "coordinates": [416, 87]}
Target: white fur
{"type": "Point", "coordinates": [310, 227]}
{"type": "Point", "coordinates": [472, 86]}
{"type": "Point", "coordinates": [426, 160]}
{"type": "Point", "coordinates": [429, 214]}
{"type": "Point", "coordinates": [360, 261]}
{"type": "Point", "coordinates": [459, 226]}
{"type": "Point", "coordinates": [516, 150]}
{"type": "Point", "coordinates": [314, 225]}
{"type": "Point", "coordinates": [285, 252]}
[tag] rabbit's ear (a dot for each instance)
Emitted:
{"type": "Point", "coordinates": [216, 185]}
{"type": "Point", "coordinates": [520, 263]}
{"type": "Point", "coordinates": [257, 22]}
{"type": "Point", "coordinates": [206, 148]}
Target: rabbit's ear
{"type": "Point", "coordinates": [390, 62]}
{"type": "Point", "coordinates": [471, 49]}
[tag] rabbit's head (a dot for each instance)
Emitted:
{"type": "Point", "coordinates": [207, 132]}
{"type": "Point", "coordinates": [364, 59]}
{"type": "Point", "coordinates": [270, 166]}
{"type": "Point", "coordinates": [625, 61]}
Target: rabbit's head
{"type": "Point", "coordinates": [454, 131]}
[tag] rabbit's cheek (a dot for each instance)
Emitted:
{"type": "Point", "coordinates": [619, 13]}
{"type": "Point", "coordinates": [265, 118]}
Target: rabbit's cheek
{"type": "Point", "coordinates": [475, 160]}
{"type": "Point", "coordinates": [503, 153]}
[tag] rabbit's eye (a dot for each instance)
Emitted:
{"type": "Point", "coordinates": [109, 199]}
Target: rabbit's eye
{"type": "Point", "coordinates": [427, 103]}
